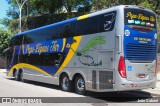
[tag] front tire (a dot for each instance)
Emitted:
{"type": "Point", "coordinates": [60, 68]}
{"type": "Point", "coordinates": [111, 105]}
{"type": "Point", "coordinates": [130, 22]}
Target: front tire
{"type": "Point", "coordinates": [22, 76]}
{"type": "Point", "coordinates": [17, 77]}
{"type": "Point", "coordinates": [65, 83]}
{"type": "Point", "coordinates": [80, 85]}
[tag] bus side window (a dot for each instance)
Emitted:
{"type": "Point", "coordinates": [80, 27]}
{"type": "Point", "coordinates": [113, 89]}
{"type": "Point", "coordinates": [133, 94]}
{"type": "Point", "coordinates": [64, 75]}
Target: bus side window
{"type": "Point", "coordinates": [9, 56]}
{"type": "Point", "coordinates": [87, 26]}
{"type": "Point", "coordinates": [81, 28]}
{"type": "Point", "coordinates": [23, 58]}
{"type": "Point", "coordinates": [73, 29]}
{"type": "Point", "coordinates": [67, 30]}
{"type": "Point", "coordinates": [28, 39]}
{"type": "Point", "coordinates": [54, 33]}
{"type": "Point", "coordinates": [107, 21]}
{"type": "Point", "coordinates": [12, 43]}
{"type": "Point", "coordinates": [48, 60]}
{"type": "Point", "coordinates": [60, 31]}
{"type": "Point", "coordinates": [93, 25]}
{"type": "Point", "coordinates": [17, 40]}
{"type": "Point", "coordinates": [16, 59]}
{"type": "Point", "coordinates": [59, 57]}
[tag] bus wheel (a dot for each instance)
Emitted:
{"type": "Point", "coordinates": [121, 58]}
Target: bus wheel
{"type": "Point", "coordinates": [80, 85]}
{"type": "Point", "coordinates": [65, 83]}
{"type": "Point", "coordinates": [17, 77]}
{"type": "Point", "coordinates": [22, 76]}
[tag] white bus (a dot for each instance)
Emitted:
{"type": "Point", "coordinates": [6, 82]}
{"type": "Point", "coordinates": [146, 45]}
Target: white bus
{"type": "Point", "coordinates": [109, 50]}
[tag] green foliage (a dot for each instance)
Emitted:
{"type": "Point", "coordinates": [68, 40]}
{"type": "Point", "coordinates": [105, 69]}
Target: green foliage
{"type": "Point", "coordinates": [71, 5]}
{"type": "Point", "coordinates": [146, 4]}
{"type": "Point", "coordinates": [4, 39]}
{"type": "Point", "coordinates": [48, 11]}
{"type": "Point", "coordinates": [100, 4]}
{"type": "Point", "coordinates": [13, 26]}
{"type": "Point", "coordinates": [38, 21]}
{"type": "Point", "coordinates": [32, 7]}
{"type": "Point", "coordinates": [45, 6]}
{"type": "Point", "coordinates": [5, 21]}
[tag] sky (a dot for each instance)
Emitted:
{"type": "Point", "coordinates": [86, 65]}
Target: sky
{"type": "Point", "coordinates": [3, 7]}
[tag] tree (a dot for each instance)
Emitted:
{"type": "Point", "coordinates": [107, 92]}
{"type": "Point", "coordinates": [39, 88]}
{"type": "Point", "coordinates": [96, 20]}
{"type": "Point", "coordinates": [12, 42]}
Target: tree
{"type": "Point", "coordinates": [13, 10]}
{"type": "Point", "coordinates": [70, 5]}
{"type": "Point", "coordinates": [5, 21]}
{"type": "Point", "coordinates": [4, 39]}
{"type": "Point", "coordinates": [151, 4]}
{"type": "Point", "coordinates": [85, 6]}
{"type": "Point", "coordinates": [45, 6]}
{"type": "Point", "coordinates": [33, 7]}
{"type": "Point", "coordinates": [100, 4]}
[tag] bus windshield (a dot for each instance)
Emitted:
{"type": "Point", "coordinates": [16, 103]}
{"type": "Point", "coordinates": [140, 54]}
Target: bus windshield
{"type": "Point", "coordinates": [139, 19]}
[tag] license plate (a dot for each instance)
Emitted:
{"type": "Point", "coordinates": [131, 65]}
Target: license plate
{"type": "Point", "coordinates": [141, 75]}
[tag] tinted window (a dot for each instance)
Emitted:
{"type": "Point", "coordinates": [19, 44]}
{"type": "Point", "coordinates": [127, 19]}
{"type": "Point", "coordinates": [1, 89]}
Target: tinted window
{"type": "Point", "coordinates": [54, 59]}
{"type": "Point", "coordinates": [72, 28]}
{"type": "Point", "coordinates": [107, 21]}
{"type": "Point", "coordinates": [17, 40]}
{"type": "Point", "coordinates": [16, 59]}
{"type": "Point", "coordinates": [60, 31]}
{"type": "Point", "coordinates": [48, 60]}
{"type": "Point", "coordinates": [24, 58]}
{"type": "Point", "coordinates": [87, 26]}
{"type": "Point", "coordinates": [28, 39]}
{"type": "Point", "coordinates": [54, 32]}
{"type": "Point", "coordinates": [9, 56]}
{"type": "Point", "coordinates": [69, 29]}
{"type": "Point", "coordinates": [36, 37]}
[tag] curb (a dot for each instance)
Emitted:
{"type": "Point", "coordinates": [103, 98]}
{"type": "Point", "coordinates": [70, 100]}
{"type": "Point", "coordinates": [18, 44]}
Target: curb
{"type": "Point", "coordinates": [3, 71]}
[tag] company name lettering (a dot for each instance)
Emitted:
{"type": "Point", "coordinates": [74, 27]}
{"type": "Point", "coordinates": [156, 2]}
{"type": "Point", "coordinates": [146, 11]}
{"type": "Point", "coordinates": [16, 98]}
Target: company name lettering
{"type": "Point", "coordinates": [140, 17]}
{"type": "Point", "coordinates": [39, 48]}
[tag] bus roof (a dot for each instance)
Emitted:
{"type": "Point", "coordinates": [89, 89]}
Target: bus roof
{"type": "Point", "coordinates": [76, 18]}
{"type": "Point", "coordinates": [47, 26]}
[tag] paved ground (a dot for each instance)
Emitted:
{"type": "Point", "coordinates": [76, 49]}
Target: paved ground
{"type": "Point", "coordinates": [11, 88]}
{"type": "Point", "coordinates": [29, 89]}
{"type": "Point", "coordinates": [155, 91]}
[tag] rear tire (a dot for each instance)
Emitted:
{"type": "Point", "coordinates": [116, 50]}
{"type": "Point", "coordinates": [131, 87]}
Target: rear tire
{"type": "Point", "coordinates": [65, 83]}
{"type": "Point", "coordinates": [22, 76]}
{"type": "Point", "coordinates": [17, 77]}
{"type": "Point", "coordinates": [80, 85]}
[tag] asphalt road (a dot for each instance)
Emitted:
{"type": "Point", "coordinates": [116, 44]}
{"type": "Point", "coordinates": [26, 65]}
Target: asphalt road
{"type": "Point", "coordinates": [11, 88]}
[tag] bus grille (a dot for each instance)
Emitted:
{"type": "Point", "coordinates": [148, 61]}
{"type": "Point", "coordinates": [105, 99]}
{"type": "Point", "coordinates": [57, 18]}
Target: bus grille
{"type": "Point", "coordinates": [140, 52]}
{"type": "Point", "coordinates": [94, 79]}
{"type": "Point", "coordinates": [105, 80]}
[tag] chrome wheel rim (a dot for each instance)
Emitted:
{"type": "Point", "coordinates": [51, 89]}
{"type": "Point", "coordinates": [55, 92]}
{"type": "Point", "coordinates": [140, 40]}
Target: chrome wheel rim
{"type": "Point", "coordinates": [65, 83]}
{"type": "Point", "coordinates": [16, 75]}
{"type": "Point", "coordinates": [80, 84]}
{"type": "Point", "coordinates": [22, 76]}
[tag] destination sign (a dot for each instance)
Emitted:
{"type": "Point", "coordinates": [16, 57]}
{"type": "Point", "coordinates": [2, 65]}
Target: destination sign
{"type": "Point", "coordinates": [140, 18]}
